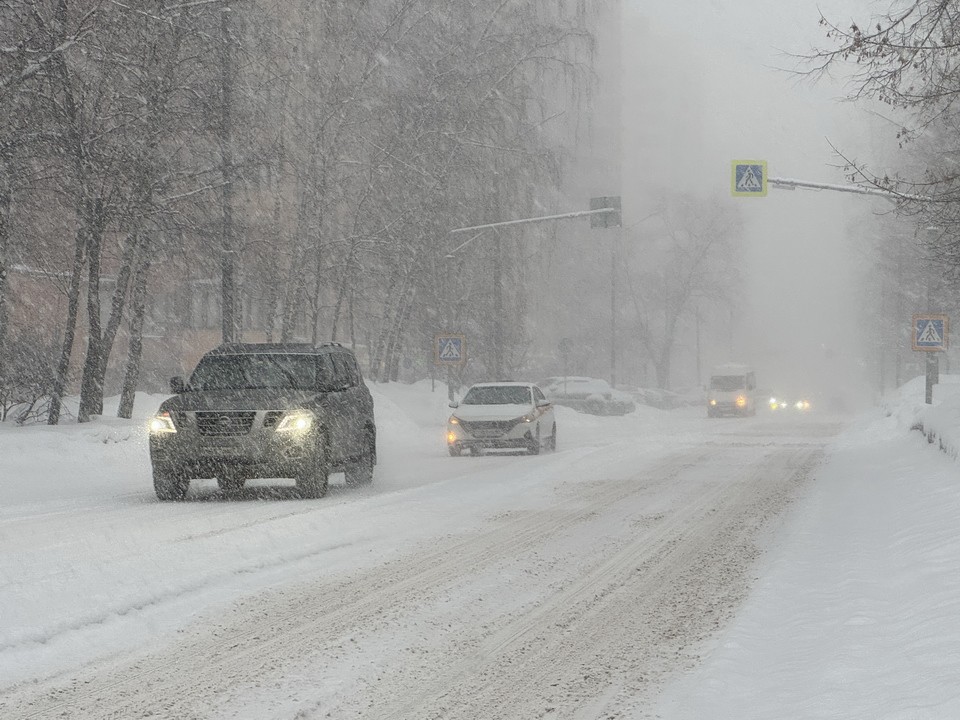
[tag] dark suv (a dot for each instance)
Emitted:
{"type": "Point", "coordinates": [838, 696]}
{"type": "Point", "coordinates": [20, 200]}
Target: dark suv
{"type": "Point", "coordinates": [256, 410]}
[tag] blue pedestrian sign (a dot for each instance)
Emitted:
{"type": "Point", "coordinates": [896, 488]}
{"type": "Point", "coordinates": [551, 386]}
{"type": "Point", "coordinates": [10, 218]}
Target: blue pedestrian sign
{"type": "Point", "coordinates": [931, 332]}
{"type": "Point", "coordinates": [450, 349]}
{"type": "Point", "coordinates": [748, 178]}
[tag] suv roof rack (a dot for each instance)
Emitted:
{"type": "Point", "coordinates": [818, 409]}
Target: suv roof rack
{"type": "Point", "coordinates": [242, 348]}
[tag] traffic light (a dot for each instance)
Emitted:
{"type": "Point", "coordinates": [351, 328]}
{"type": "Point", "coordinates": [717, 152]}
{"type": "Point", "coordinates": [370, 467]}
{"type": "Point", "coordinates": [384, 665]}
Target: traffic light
{"type": "Point", "coordinates": [605, 220]}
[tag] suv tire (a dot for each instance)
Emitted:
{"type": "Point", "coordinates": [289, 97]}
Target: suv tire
{"type": "Point", "coordinates": [170, 485]}
{"type": "Point", "coordinates": [360, 471]}
{"type": "Point", "coordinates": [313, 477]}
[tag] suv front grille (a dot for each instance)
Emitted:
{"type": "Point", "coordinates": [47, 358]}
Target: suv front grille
{"type": "Point", "coordinates": [272, 418]}
{"type": "Point", "coordinates": [223, 424]}
{"type": "Point", "coordinates": [487, 427]}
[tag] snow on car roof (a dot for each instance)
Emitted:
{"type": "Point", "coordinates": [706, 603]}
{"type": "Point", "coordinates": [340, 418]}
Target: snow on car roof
{"type": "Point", "coordinates": [502, 384]}
{"type": "Point", "coordinates": [732, 369]}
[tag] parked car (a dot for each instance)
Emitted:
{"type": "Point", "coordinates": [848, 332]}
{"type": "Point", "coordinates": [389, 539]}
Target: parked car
{"type": "Point", "coordinates": [504, 415]}
{"type": "Point", "coordinates": [265, 410]}
{"type": "Point", "coordinates": [588, 395]}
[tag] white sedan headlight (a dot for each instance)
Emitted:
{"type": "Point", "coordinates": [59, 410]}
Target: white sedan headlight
{"type": "Point", "coordinates": [298, 421]}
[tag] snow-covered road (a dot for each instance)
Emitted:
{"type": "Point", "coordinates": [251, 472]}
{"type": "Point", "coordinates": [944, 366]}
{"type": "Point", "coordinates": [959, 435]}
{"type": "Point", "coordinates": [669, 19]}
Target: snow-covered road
{"type": "Point", "coordinates": [494, 587]}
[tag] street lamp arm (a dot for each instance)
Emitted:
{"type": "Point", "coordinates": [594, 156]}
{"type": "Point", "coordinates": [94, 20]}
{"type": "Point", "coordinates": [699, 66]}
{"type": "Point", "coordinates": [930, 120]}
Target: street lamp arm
{"type": "Point", "coordinates": [526, 221]}
{"type": "Point", "coordinates": [460, 247]}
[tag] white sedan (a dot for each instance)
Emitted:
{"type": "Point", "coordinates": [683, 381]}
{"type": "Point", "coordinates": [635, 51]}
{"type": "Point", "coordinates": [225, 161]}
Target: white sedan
{"type": "Point", "coordinates": [503, 416]}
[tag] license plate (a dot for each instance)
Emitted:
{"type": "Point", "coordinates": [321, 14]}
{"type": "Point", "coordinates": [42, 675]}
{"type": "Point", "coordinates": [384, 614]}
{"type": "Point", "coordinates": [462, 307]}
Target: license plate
{"type": "Point", "coordinates": [223, 450]}
{"type": "Point", "coordinates": [487, 433]}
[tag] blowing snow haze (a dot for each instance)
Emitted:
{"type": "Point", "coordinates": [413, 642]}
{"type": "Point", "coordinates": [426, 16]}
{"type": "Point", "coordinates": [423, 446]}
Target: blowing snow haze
{"type": "Point", "coordinates": [705, 83]}
{"type": "Point", "coordinates": [320, 397]}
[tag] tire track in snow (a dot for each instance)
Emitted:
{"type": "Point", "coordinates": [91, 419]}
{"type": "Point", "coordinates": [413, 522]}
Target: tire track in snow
{"type": "Point", "coordinates": [298, 628]}
{"type": "Point", "coordinates": [516, 672]}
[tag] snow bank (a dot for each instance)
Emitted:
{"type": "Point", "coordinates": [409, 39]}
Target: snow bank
{"type": "Point", "coordinates": [940, 421]}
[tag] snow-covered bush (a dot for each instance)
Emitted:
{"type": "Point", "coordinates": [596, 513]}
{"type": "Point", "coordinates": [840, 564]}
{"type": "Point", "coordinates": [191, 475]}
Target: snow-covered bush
{"type": "Point", "coordinates": [26, 377]}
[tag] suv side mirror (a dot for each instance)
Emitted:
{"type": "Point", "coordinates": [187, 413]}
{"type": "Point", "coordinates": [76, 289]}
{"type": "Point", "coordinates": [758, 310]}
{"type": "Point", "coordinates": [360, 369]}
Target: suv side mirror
{"type": "Point", "coordinates": [178, 385]}
{"type": "Point", "coordinates": [454, 404]}
{"type": "Point", "coordinates": [542, 403]}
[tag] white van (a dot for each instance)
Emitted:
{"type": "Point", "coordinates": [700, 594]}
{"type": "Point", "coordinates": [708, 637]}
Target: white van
{"type": "Point", "coordinates": [732, 391]}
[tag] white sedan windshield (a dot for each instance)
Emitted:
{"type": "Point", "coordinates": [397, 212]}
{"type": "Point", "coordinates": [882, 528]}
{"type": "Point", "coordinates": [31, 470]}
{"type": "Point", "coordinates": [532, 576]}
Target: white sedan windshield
{"type": "Point", "coordinates": [498, 395]}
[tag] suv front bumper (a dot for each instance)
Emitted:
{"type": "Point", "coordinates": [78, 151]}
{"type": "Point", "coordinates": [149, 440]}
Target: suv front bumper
{"type": "Point", "coordinates": [259, 452]}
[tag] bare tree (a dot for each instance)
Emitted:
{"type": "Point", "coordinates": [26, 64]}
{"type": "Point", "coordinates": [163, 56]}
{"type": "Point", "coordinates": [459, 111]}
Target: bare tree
{"type": "Point", "coordinates": [341, 141]}
{"type": "Point", "coordinates": [906, 59]}
{"type": "Point", "coordinates": [691, 257]}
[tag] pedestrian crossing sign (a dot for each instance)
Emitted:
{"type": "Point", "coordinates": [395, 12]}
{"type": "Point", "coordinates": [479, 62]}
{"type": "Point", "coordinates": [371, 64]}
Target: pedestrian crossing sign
{"type": "Point", "coordinates": [450, 349]}
{"type": "Point", "coordinates": [748, 178]}
{"type": "Point", "coordinates": [930, 332]}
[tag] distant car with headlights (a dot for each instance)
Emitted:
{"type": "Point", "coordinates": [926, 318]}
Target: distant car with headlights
{"type": "Point", "coordinates": [256, 410]}
{"type": "Point", "coordinates": [502, 416]}
{"type": "Point", "coordinates": [781, 404]}
{"type": "Point", "coordinates": [732, 391]}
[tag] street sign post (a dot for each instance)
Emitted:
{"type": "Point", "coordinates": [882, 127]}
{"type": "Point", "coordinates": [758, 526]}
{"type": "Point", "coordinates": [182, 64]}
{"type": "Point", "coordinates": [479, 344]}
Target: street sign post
{"type": "Point", "coordinates": [748, 178]}
{"type": "Point", "coordinates": [931, 334]}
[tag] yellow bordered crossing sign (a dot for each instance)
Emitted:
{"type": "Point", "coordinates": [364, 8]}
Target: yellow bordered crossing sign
{"type": "Point", "coordinates": [450, 349]}
{"type": "Point", "coordinates": [931, 333]}
{"type": "Point", "coordinates": [748, 178]}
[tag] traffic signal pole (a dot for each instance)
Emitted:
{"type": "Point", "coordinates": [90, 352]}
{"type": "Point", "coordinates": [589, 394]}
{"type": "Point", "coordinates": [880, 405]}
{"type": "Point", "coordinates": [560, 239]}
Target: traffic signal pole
{"type": "Point", "coordinates": [604, 212]}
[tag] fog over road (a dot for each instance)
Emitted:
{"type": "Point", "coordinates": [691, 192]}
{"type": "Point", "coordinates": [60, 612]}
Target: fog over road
{"type": "Point", "coordinates": [566, 585]}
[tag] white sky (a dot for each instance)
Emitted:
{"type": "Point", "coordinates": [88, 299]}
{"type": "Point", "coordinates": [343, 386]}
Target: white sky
{"type": "Point", "coordinates": [701, 88]}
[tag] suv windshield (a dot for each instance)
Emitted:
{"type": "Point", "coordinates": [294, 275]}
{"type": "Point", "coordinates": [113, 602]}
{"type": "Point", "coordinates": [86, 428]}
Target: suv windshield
{"type": "Point", "coordinates": [250, 372]}
{"type": "Point", "coordinates": [498, 395]}
{"type": "Point", "coordinates": [727, 382]}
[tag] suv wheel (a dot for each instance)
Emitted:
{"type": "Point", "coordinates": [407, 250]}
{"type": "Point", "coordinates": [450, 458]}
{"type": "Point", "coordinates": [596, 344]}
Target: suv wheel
{"type": "Point", "coordinates": [313, 477]}
{"type": "Point", "coordinates": [360, 471]}
{"type": "Point", "coordinates": [170, 485]}
{"type": "Point", "coordinates": [553, 438]}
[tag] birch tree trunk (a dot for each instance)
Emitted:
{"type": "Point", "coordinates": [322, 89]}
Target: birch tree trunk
{"type": "Point", "coordinates": [4, 250]}
{"type": "Point", "coordinates": [228, 269]}
{"type": "Point", "coordinates": [91, 387]}
{"type": "Point", "coordinates": [131, 376]}
{"type": "Point", "coordinates": [69, 331]}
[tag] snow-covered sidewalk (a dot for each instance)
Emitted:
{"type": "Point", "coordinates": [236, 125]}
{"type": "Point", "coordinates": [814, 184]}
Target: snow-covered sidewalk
{"type": "Point", "coordinates": [856, 609]}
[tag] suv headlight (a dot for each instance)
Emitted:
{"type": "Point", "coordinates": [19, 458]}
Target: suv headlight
{"type": "Point", "coordinates": [528, 418]}
{"type": "Point", "coordinates": [298, 421]}
{"type": "Point", "coordinates": [454, 420]}
{"type": "Point", "coordinates": [162, 423]}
